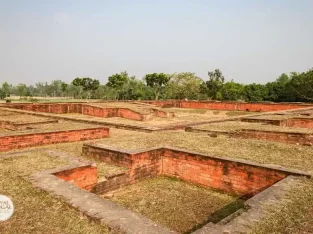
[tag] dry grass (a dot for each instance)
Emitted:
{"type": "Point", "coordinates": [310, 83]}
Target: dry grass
{"type": "Point", "coordinates": [62, 125]}
{"type": "Point", "coordinates": [140, 108]}
{"type": "Point", "coordinates": [181, 116]}
{"type": "Point", "coordinates": [171, 202]}
{"type": "Point", "coordinates": [37, 211]}
{"type": "Point", "coordinates": [293, 156]}
{"type": "Point", "coordinates": [20, 118]}
{"type": "Point", "coordinates": [294, 217]}
{"type": "Point", "coordinates": [238, 125]}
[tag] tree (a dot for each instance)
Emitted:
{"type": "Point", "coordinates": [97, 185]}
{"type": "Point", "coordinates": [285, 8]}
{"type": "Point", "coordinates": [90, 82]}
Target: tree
{"type": "Point", "coordinates": [214, 84]}
{"type": "Point", "coordinates": [184, 85]}
{"type": "Point", "coordinates": [156, 81]}
{"type": "Point", "coordinates": [255, 92]}
{"type": "Point", "coordinates": [231, 91]}
{"type": "Point", "coordinates": [6, 89]}
{"type": "Point", "coordinates": [117, 82]}
{"type": "Point", "coordinates": [64, 87]}
{"type": "Point", "coordinates": [22, 90]}
{"type": "Point", "coordinates": [2, 94]}
{"type": "Point", "coordinates": [300, 86]}
{"type": "Point", "coordinates": [86, 84]}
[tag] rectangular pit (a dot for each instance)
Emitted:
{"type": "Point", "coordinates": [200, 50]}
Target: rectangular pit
{"type": "Point", "coordinates": [238, 178]}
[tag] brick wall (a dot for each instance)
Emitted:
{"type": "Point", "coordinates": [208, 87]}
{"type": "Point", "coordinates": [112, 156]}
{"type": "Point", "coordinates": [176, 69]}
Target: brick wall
{"type": "Point", "coordinates": [230, 175]}
{"type": "Point", "coordinates": [275, 122]}
{"type": "Point", "coordinates": [37, 139]}
{"type": "Point", "coordinates": [21, 126]}
{"type": "Point", "coordinates": [66, 108]}
{"type": "Point", "coordinates": [300, 123]}
{"type": "Point", "coordinates": [285, 137]}
{"type": "Point", "coordinates": [230, 106]}
{"type": "Point", "coordinates": [85, 177]}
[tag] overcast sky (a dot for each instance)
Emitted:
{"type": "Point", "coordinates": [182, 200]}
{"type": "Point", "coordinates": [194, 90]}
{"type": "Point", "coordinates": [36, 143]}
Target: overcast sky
{"type": "Point", "coordinates": [250, 41]}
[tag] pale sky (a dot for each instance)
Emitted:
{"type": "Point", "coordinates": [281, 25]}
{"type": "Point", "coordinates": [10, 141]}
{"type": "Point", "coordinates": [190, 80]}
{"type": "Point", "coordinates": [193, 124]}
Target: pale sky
{"type": "Point", "coordinates": [250, 41]}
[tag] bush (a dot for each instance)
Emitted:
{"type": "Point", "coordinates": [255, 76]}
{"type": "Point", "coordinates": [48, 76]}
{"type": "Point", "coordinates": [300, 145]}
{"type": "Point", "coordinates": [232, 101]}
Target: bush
{"type": "Point", "coordinates": [8, 101]}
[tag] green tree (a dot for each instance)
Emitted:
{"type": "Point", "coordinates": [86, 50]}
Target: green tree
{"type": "Point", "coordinates": [231, 91]}
{"type": "Point", "coordinates": [156, 81]}
{"type": "Point", "coordinates": [118, 82]}
{"type": "Point", "coordinates": [22, 90]}
{"type": "Point", "coordinates": [6, 88]}
{"type": "Point", "coordinates": [2, 94]}
{"type": "Point", "coordinates": [255, 92]}
{"type": "Point", "coordinates": [214, 84]}
{"type": "Point", "coordinates": [300, 86]}
{"type": "Point", "coordinates": [184, 85]}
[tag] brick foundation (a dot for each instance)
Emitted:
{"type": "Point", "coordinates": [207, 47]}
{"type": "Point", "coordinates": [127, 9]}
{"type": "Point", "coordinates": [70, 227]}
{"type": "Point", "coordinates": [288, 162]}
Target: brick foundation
{"type": "Point", "coordinates": [67, 108]}
{"type": "Point", "coordinates": [284, 137]}
{"type": "Point", "coordinates": [38, 139]}
{"type": "Point", "coordinates": [229, 175]}
{"type": "Point", "coordinates": [85, 177]}
{"type": "Point", "coordinates": [229, 106]}
{"type": "Point", "coordinates": [21, 126]}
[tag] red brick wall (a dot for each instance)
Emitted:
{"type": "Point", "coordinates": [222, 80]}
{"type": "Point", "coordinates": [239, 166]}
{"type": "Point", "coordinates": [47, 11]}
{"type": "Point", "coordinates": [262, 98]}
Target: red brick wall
{"type": "Point", "coordinates": [146, 164]}
{"type": "Point", "coordinates": [285, 137]}
{"type": "Point", "coordinates": [108, 155]}
{"type": "Point", "coordinates": [38, 139]}
{"type": "Point", "coordinates": [300, 123]}
{"type": "Point", "coordinates": [230, 106]}
{"type": "Point", "coordinates": [224, 175]}
{"type": "Point", "coordinates": [57, 108]}
{"type": "Point", "coordinates": [85, 177]}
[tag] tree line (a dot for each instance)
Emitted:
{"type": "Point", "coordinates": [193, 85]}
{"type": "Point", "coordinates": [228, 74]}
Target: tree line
{"type": "Point", "coordinates": [293, 87]}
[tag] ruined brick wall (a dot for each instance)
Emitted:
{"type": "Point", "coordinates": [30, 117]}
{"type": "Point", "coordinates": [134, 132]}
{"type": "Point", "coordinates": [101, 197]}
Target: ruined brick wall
{"type": "Point", "coordinates": [229, 106]}
{"type": "Point", "coordinates": [285, 137]}
{"type": "Point", "coordinates": [146, 164]}
{"type": "Point", "coordinates": [140, 165]}
{"type": "Point", "coordinates": [108, 155]}
{"type": "Point", "coordinates": [37, 139]}
{"type": "Point", "coordinates": [229, 176]}
{"type": "Point", "coordinates": [224, 174]}
{"type": "Point", "coordinates": [275, 122]}
{"type": "Point", "coordinates": [56, 108]}
{"type": "Point", "coordinates": [85, 177]}
{"type": "Point", "coordinates": [300, 123]}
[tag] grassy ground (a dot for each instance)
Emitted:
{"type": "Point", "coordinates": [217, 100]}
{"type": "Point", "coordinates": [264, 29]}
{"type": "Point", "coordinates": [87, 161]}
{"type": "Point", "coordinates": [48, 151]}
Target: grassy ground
{"type": "Point", "coordinates": [37, 211]}
{"type": "Point", "coordinates": [181, 116]}
{"type": "Point", "coordinates": [62, 125]}
{"type": "Point", "coordinates": [172, 202]}
{"type": "Point", "coordinates": [295, 217]}
{"type": "Point", "coordinates": [238, 125]}
{"type": "Point", "coordinates": [18, 118]}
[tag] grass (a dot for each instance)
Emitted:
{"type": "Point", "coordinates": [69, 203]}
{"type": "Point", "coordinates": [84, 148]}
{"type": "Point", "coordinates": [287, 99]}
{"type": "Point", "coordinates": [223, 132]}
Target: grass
{"type": "Point", "coordinates": [19, 118]}
{"type": "Point", "coordinates": [37, 211]}
{"type": "Point", "coordinates": [238, 125]}
{"type": "Point", "coordinates": [62, 125]}
{"type": "Point", "coordinates": [293, 156]}
{"type": "Point", "coordinates": [172, 202]}
{"type": "Point", "coordinates": [294, 217]}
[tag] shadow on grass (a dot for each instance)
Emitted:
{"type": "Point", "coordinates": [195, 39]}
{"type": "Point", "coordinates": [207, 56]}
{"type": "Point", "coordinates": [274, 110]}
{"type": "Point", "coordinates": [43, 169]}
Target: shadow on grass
{"type": "Point", "coordinates": [220, 214]}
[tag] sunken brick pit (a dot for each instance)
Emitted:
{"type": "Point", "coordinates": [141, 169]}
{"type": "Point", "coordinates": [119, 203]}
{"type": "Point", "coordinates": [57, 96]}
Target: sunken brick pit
{"type": "Point", "coordinates": [238, 177]}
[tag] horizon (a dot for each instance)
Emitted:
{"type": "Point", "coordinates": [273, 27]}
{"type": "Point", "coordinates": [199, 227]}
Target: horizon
{"type": "Point", "coordinates": [252, 42]}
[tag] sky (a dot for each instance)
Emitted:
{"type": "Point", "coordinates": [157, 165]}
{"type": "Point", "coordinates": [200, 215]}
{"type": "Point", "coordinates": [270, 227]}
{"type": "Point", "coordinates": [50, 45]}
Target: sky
{"type": "Point", "coordinates": [248, 40]}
